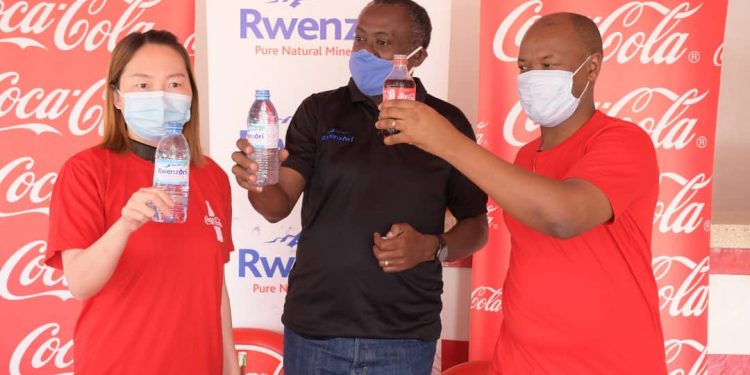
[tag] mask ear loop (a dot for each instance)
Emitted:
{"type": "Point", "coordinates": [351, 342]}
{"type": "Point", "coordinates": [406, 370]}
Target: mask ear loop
{"type": "Point", "coordinates": [581, 66]}
{"type": "Point", "coordinates": [587, 81]}
{"type": "Point", "coordinates": [409, 56]}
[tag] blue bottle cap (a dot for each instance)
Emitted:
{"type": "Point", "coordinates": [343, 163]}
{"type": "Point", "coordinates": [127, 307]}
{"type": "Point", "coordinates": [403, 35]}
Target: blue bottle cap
{"type": "Point", "coordinates": [262, 94]}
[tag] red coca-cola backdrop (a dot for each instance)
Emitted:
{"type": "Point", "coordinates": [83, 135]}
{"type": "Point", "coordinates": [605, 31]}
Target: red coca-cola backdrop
{"type": "Point", "coordinates": [661, 71]}
{"type": "Point", "coordinates": [53, 60]}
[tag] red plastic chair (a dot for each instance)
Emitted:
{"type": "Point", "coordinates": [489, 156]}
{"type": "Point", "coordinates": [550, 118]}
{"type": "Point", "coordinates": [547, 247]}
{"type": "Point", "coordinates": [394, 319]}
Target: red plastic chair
{"type": "Point", "coordinates": [264, 348]}
{"type": "Point", "coordinates": [469, 368]}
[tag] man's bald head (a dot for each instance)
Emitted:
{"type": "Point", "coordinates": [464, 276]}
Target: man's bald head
{"type": "Point", "coordinates": [584, 29]}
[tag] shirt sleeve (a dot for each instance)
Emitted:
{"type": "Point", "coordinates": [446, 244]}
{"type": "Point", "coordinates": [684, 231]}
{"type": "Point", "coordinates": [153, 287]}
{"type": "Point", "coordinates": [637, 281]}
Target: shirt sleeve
{"type": "Point", "coordinates": [465, 199]}
{"type": "Point", "coordinates": [76, 214]}
{"type": "Point", "coordinates": [301, 139]}
{"type": "Point", "coordinates": [621, 162]}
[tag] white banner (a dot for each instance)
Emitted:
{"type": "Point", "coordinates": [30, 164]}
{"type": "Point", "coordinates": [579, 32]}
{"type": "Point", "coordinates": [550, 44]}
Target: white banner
{"type": "Point", "coordinates": [293, 48]}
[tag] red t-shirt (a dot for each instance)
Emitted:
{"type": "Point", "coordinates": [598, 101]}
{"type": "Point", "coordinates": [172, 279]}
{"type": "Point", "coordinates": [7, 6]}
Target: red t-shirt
{"type": "Point", "coordinates": [589, 304]}
{"type": "Point", "coordinates": [160, 312]}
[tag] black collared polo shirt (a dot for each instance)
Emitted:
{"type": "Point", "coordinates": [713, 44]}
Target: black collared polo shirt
{"type": "Point", "coordinates": [356, 186]}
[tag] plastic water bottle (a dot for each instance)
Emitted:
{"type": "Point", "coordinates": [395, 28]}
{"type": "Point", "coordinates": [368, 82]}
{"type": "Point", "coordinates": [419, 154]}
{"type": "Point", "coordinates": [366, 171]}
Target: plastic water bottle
{"type": "Point", "coordinates": [263, 134]}
{"type": "Point", "coordinates": [399, 85]}
{"type": "Point", "coordinates": [172, 173]}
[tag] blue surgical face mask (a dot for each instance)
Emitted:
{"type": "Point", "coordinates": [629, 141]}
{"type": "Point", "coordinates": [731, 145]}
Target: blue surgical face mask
{"type": "Point", "coordinates": [147, 113]}
{"type": "Point", "coordinates": [369, 71]}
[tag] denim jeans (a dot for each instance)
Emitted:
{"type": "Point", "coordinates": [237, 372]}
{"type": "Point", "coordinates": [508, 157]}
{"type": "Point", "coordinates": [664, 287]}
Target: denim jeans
{"type": "Point", "coordinates": [355, 356]}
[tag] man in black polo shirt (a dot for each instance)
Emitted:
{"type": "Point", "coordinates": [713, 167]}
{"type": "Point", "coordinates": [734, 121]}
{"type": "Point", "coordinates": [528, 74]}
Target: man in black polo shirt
{"type": "Point", "coordinates": [364, 293]}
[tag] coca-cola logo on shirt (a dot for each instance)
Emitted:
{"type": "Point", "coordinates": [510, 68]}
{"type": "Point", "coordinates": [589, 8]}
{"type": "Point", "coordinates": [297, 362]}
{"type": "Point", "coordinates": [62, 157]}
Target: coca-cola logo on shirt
{"type": "Point", "coordinates": [672, 127]}
{"type": "Point", "coordinates": [678, 353]}
{"type": "Point", "coordinates": [42, 348]}
{"type": "Point", "coordinates": [24, 275]}
{"type": "Point", "coordinates": [487, 298]}
{"type": "Point", "coordinates": [36, 108]}
{"type": "Point", "coordinates": [687, 296]}
{"type": "Point", "coordinates": [625, 34]}
{"type": "Point", "coordinates": [683, 214]}
{"type": "Point", "coordinates": [73, 24]}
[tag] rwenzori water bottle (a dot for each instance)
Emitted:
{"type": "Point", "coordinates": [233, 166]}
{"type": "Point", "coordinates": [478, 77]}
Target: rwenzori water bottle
{"type": "Point", "coordinates": [263, 135]}
{"type": "Point", "coordinates": [172, 173]}
{"type": "Point", "coordinates": [399, 85]}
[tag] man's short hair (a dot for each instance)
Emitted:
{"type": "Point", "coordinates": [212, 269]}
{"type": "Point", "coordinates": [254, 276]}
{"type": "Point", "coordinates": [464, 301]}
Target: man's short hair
{"type": "Point", "coordinates": [588, 32]}
{"type": "Point", "coordinates": [420, 21]}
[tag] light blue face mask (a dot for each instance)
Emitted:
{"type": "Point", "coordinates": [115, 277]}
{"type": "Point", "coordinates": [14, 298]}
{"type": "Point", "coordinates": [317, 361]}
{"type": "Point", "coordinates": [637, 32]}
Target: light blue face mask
{"type": "Point", "coordinates": [147, 113]}
{"type": "Point", "coordinates": [369, 71]}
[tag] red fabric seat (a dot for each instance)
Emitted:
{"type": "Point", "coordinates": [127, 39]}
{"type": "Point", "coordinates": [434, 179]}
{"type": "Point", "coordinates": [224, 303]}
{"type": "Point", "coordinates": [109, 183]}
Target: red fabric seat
{"type": "Point", "coordinates": [469, 368]}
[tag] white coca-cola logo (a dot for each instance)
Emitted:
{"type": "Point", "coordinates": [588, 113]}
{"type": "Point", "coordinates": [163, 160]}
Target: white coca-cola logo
{"type": "Point", "coordinates": [673, 128]}
{"type": "Point", "coordinates": [20, 182]}
{"type": "Point", "coordinates": [674, 352]}
{"type": "Point", "coordinates": [682, 214]}
{"type": "Point", "coordinates": [485, 298]}
{"type": "Point", "coordinates": [663, 44]}
{"type": "Point", "coordinates": [518, 129]}
{"type": "Point", "coordinates": [26, 266]}
{"type": "Point", "coordinates": [190, 44]}
{"type": "Point", "coordinates": [479, 132]}
{"type": "Point", "coordinates": [492, 213]}
{"type": "Point", "coordinates": [690, 297]}
{"type": "Point", "coordinates": [37, 106]}
{"type": "Point", "coordinates": [42, 347]}
{"type": "Point", "coordinates": [68, 22]}
{"type": "Point", "coordinates": [719, 55]}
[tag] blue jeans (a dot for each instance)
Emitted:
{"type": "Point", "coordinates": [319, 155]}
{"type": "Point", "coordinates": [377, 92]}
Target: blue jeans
{"type": "Point", "coordinates": [354, 356]}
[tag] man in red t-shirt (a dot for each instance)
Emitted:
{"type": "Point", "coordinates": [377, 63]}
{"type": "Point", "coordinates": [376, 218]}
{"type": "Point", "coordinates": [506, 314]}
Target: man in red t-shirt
{"type": "Point", "coordinates": [580, 296]}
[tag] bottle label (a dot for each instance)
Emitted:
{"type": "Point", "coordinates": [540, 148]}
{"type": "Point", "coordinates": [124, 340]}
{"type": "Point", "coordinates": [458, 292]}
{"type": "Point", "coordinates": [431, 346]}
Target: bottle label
{"type": "Point", "coordinates": [263, 136]}
{"type": "Point", "coordinates": [171, 172]}
{"type": "Point", "coordinates": [399, 93]}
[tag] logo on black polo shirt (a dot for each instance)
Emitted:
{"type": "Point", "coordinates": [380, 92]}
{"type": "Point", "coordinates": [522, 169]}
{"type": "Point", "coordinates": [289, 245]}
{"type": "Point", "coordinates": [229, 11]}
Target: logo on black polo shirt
{"type": "Point", "coordinates": [337, 135]}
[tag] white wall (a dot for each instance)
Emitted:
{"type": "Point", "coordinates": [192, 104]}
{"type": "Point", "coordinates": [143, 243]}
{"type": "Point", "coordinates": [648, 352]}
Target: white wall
{"type": "Point", "coordinates": [731, 198]}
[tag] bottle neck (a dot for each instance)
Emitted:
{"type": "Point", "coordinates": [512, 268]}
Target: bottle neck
{"type": "Point", "coordinates": [400, 68]}
{"type": "Point", "coordinates": [174, 128]}
{"type": "Point", "coordinates": [400, 63]}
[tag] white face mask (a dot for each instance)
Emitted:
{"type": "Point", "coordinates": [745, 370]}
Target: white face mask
{"type": "Point", "coordinates": [546, 95]}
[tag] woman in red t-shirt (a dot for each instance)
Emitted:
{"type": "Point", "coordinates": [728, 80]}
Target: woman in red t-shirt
{"type": "Point", "coordinates": [154, 296]}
